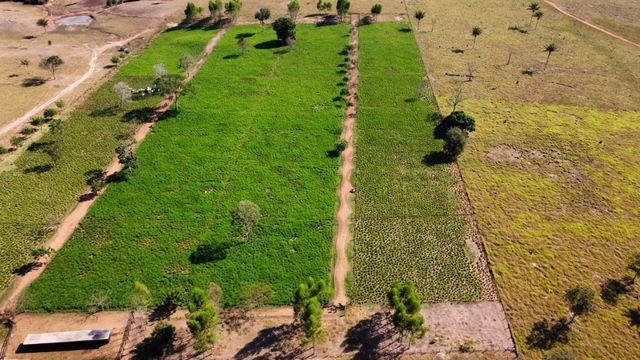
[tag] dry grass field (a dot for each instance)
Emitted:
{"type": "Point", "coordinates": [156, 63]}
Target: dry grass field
{"type": "Point", "coordinates": [552, 170]}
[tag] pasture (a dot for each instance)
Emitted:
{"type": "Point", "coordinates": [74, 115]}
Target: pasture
{"type": "Point", "coordinates": [36, 192]}
{"type": "Point", "coordinates": [550, 170]}
{"type": "Point", "coordinates": [406, 218]}
{"type": "Point", "coordinates": [257, 125]}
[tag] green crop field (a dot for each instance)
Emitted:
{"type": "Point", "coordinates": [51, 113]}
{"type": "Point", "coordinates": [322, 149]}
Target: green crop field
{"type": "Point", "coordinates": [406, 222]}
{"type": "Point", "coordinates": [257, 126]}
{"type": "Point", "coordinates": [34, 194]}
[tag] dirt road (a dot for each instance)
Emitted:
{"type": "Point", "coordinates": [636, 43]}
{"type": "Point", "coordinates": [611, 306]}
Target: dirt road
{"type": "Point", "coordinates": [343, 235]}
{"type": "Point", "coordinates": [591, 25]}
{"type": "Point", "coordinates": [93, 66]}
{"type": "Point", "coordinates": [69, 223]}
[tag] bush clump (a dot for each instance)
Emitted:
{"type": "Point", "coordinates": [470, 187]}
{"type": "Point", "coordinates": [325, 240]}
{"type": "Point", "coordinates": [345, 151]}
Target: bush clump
{"type": "Point", "coordinates": [456, 119]}
{"type": "Point", "coordinates": [285, 28]}
{"type": "Point", "coordinates": [454, 142]}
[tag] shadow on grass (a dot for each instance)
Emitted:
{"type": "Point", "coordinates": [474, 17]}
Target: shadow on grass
{"type": "Point", "coordinates": [38, 169]}
{"type": "Point", "coordinates": [26, 268]}
{"type": "Point", "coordinates": [611, 289]}
{"type": "Point", "coordinates": [231, 56]}
{"type": "Point", "coordinates": [138, 116]}
{"type": "Point", "coordinates": [634, 317]}
{"type": "Point", "coordinates": [244, 35]}
{"type": "Point", "coordinates": [33, 81]}
{"type": "Point", "coordinates": [435, 158]}
{"type": "Point", "coordinates": [280, 342]}
{"type": "Point", "coordinates": [39, 145]}
{"type": "Point", "coordinates": [270, 44]}
{"type": "Point", "coordinates": [405, 30]}
{"type": "Point", "coordinates": [108, 111]}
{"type": "Point", "coordinates": [544, 334]}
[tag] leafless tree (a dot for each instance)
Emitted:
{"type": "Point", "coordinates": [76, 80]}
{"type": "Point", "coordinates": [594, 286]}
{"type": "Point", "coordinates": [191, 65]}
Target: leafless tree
{"type": "Point", "coordinates": [123, 91]}
{"type": "Point", "coordinates": [457, 96]}
{"type": "Point", "coordinates": [470, 70]}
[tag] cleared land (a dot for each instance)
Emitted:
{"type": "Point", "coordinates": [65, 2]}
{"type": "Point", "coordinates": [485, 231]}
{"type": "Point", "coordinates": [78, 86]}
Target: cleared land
{"type": "Point", "coordinates": [407, 225]}
{"type": "Point", "coordinates": [553, 182]}
{"type": "Point", "coordinates": [257, 126]}
{"type": "Point", "coordinates": [36, 194]}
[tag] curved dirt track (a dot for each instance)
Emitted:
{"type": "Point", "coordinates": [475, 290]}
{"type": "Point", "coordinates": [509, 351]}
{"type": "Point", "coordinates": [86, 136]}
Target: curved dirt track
{"type": "Point", "coordinates": [591, 25]}
{"type": "Point", "coordinates": [69, 223]}
{"type": "Point", "coordinates": [93, 63]}
{"type": "Point", "coordinates": [343, 235]}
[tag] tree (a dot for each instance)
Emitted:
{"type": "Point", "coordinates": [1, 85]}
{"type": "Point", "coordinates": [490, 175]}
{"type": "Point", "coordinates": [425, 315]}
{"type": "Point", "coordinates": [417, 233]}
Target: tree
{"type": "Point", "coordinates": [126, 156]}
{"type": "Point", "coordinates": [550, 48]}
{"type": "Point", "coordinates": [215, 8]}
{"type": "Point", "coordinates": [284, 28]}
{"type": "Point", "coordinates": [323, 6]}
{"type": "Point", "coordinates": [232, 8]}
{"type": "Point", "coordinates": [51, 63]}
{"type": "Point", "coordinates": [96, 180]}
{"type": "Point", "coordinates": [454, 142]}
{"type": "Point", "coordinates": [475, 32]}
{"type": "Point", "coordinates": [538, 15]}
{"type": "Point", "coordinates": [419, 15]}
{"type": "Point", "coordinates": [191, 11]}
{"type": "Point", "coordinates": [457, 96]}
{"type": "Point", "coordinates": [457, 119]}
{"type": "Point", "coordinates": [202, 319]}
{"type": "Point", "coordinates": [245, 217]}
{"type": "Point", "coordinates": [376, 10]}
{"type": "Point", "coordinates": [533, 7]}
{"type": "Point", "coordinates": [115, 59]}
{"type": "Point", "coordinates": [634, 266]}
{"type": "Point", "coordinates": [43, 22]}
{"type": "Point", "coordinates": [186, 61]}
{"type": "Point", "coordinates": [406, 305]}
{"type": "Point", "coordinates": [342, 8]}
{"type": "Point", "coordinates": [262, 15]}
{"type": "Point", "coordinates": [293, 7]}
{"type": "Point", "coordinates": [39, 252]}
{"type": "Point", "coordinates": [49, 113]}
{"type": "Point", "coordinates": [308, 290]}
{"type": "Point", "coordinates": [243, 44]}
{"type": "Point", "coordinates": [160, 70]}
{"type": "Point", "coordinates": [311, 321]}
{"type": "Point", "coordinates": [123, 91]}
{"type": "Point", "coordinates": [141, 297]}
{"type": "Point", "coordinates": [580, 301]}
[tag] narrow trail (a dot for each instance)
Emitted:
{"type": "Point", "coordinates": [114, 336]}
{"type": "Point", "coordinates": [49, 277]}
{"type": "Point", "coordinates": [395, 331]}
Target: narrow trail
{"type": "Point", "coordinates": [69, 223]}
{"type": "Point", "coordinates": [591, 25]}
{"type": "Point", "coordinates": [93, 65]}
{"type": "Point", "coordinates": [343, 235]}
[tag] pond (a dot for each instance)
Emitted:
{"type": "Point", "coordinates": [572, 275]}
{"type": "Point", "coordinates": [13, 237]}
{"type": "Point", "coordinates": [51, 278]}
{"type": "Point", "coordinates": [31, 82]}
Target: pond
{"type": "Point", "coordinates": [82, 20]}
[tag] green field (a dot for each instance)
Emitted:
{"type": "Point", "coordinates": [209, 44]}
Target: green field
{"type": "Point", "coordinates": [256, 127]}
{"type": "Point", "coordinates": [34, 194]}
{"type": "Point", "coordinates": [406, 222]}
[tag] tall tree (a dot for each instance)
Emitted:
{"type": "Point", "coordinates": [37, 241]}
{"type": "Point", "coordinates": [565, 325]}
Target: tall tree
{"type": "Point", "coordinates": [311, 321]}
{"type": "Point", "coordinates": [285, 28]}
{"type": "Point", "coordinates": [533, 7]}
{"type": "Point", "coordinates": [538, 15]}
{"type": "Point", "coordinates": [293, 7]}
{"type": "Point", "coordinates": [342, 8]}
{"type": "Point", "coordinates": [215, 8]}
{"type": "Point", "coordinates": [550, 48]}
{"type": "Point", "coordinates": [376, 10]}
{"type": "Point", "coordinates": [190, 11]}
{"type": "Point", "coordinates": [310, 289]}
{"type": "Point", "coordinates": [202, 319]}
{"type": "Point", "coordinates": [419, 15]}
{"type": "Point", "coordinates": [475, 32]}
{"type": "Point", "coordinates": [43, 22]}
{"type": "Point", "coordinates": [52, 63]}
{"type": "Point", "coordinates": [233, 8]}
{"type": "Point", "coordinates": [406, 305]}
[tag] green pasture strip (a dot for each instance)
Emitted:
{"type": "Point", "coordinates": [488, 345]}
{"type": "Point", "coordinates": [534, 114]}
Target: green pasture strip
{"type": "Point", "coordinates": [406, 222]}
{"type": "Point", "coordinates": [36, 194]}
{"type": "Point", "coordinates": [257, 126]}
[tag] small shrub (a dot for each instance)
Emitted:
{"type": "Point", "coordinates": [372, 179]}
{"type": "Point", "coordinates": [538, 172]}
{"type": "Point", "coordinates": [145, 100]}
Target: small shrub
{"type": "Point", "coordinates": [28, 131]}
{"type": "Point", "coordinates": [16, 140]}
{"type": "Point", "coordinates": [37, 121]}
{"type": "Point", "coordinates": [454, 142]}
{"type": "Point", "coordinates": [456, 119]}
{"type": "Point", "coordinates": [341, 146]}
{"type": "Point", "coordinates": [50, 113]}
{"type": "Point", "coordinates": [245, 217]}
{"type": "Point", "coordinates": [39, 252]}
{"type": "Point", "coordinates": [284, 28]}
{"type": "Point", "coordinates": [3, 150]}
{"type": "Point", "coordinates": [115, 59]}
{"type": "Point", "coordinates": [59, 104]}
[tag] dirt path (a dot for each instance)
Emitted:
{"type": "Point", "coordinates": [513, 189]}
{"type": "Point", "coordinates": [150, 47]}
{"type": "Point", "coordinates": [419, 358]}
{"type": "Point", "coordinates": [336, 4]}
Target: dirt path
{"type": "Point", "coordinates": [591, 25]}
{"type": "Point", "coordinates": [343, 235]}
{"type": "Point", "coordinates": [93, 66]}
{"type": "Point", "coordinates": [69, 223]}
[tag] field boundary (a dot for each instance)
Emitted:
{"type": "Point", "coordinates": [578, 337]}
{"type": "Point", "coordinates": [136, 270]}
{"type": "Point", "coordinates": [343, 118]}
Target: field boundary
{"type": "Point", "coordinates": [71, 220]}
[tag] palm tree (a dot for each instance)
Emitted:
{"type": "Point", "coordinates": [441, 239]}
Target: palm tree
{"type": "Point", "coordinates": [43, 22]}
{"type": "Point", "coordinates": [419, 15]}
{"type": "Point", "coordinates": [549, 48]}
{"type": "Point", "coordinates": [538, 15]}
{"type": "Point", "coordinates": [475, 32]}
{"type": "Point", "coordinates": [533, 7]}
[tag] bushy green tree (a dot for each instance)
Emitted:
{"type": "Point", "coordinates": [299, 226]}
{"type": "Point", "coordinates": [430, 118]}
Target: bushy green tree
{"type": "Point", "coordinates": [215, 8]}
{"type": "Point", "coordinates": [141, 297]}
{"type": "Point", "coordinates": [51, 63]}
{"type": "Point", "coordinates": [262, 15]}
{"type": "Point", "coordinates": [306, 291]}
{"type": "Point", "coordinates": [311, 321]}
{"type": "Point", "coordinates": [191, 11]}
{"type": "Point", "coordinates": [376, 10]}
{"type": "Point", "coordinates": [457, 119]}
{"type": "Point", "coordinates": [233, 8]}
{"type": "Point", "coordinates": [406, 304]}
{"type": "Point", "coordinates": [342, 7]}
{"type": "Point", "coordinates": [580, 300]}
{"type": "Point", "coordinates": [454, 143]}
{"type": "Point", "coordinates": [293, 7]}
{"type": "Point", "coordinates": [245, 217]}
{"type": "Point", "coordinates": [324, 6]}
{"type": "Point", "coordinates": [202, 319]}
{"type": "Point", "coordinates": [285, 28]}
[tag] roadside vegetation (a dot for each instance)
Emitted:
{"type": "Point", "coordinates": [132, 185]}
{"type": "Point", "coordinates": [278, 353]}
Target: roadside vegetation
{"type": "Point", "coordinates": [236, 188]}
{"type": "Point", "coordinates": [47, 180]}
{"type": "Point", "coordinates": [550, 169]}
{"type": "Point", "coordinates": [407, 226]}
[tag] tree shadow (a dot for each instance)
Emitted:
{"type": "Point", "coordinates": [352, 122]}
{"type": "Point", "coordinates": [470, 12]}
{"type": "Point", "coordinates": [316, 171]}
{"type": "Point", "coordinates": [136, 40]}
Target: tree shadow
{"type": "Point", "coordinates": [435, 158]}
{"type": "Point", "coordinates": [328, 20]}
{"type": "Point", "coordinates": [110, 66]}
{"type": "Point", "coordinates": [26, 268]}
{"type": "Point", "coordinates": [611, 289]}
{"type": "Point", "coordinates": [270, 44]}
{"type": "Point", "coordinates": [634, 317]}
{"type": "Point", "coordinates": [162, 312]}
{"type": "Point", "coordinates": [38, 169]}
{"type": "Point", "coordinates": [29, 37]}
{"type": "Point", "coordinates": [373, 338]}
{"type": "Point", "coordinates": [150, 348]}
{"type": "Point", "coordinates": [39, 145]}
{"type": "Point", "coordinates": [544, 335]}
{"type": "Point", "coordinates": [244, 35]}
{"type": "Point", "coordinates": [280, 342]}
{"type": "Point", "coordinates": [405, 30]}
{"type": "Point", "coordinates": [33, 81]}
{"type": "Point", "coordinates": [231, 56]}
{"type": "Point", "coordinates": [108, 111]}
{"type": "Point", "coordinates": [138, 116]}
